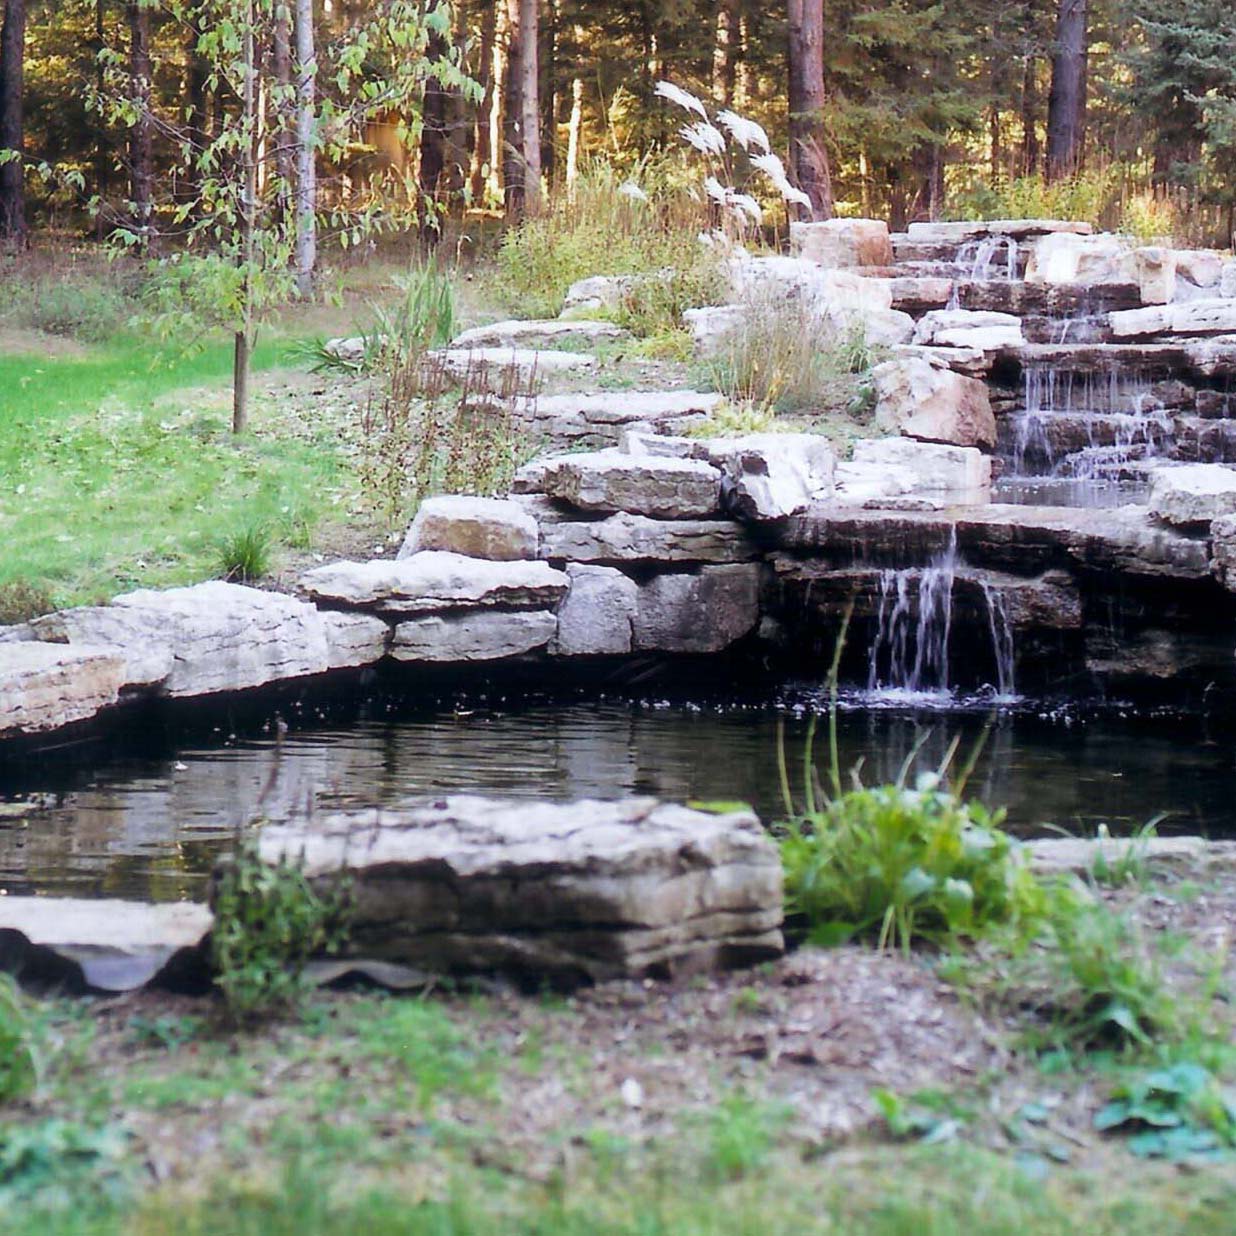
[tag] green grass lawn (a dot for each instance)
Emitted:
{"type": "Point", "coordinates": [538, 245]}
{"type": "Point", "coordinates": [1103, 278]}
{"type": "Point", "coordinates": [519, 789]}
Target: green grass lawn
{"type": "Point", "coordinates": [119, 471]}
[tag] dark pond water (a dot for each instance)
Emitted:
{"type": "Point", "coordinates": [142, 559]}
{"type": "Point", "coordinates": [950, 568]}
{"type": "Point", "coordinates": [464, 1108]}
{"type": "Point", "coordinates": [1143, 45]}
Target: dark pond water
{"type": "Point", "coordinates": [150, 825]}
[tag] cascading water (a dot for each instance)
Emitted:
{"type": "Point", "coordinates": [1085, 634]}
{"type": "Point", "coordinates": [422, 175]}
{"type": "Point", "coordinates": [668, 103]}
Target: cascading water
{"type": "Point", "coordinates": [909, 656]}
{"type": "Point", "coordinates": [976, 259]}
{"type": "Point", "coordinates": [1088, 430]}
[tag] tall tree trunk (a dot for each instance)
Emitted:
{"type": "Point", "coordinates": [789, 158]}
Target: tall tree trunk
{"type": "Point", "coordinates": [1066, 107]}
{"type": "Point", "coordinates": [575, 128]}
{"type": "Point", "coordinates": [12, 124]}
{"type": "Point", "coordinates": [197, 118]}
{"type": "Point", "coordinates": [141, 135]}
{"type": "Point", "coordinates": [530, 90]}
{"type": "Point", "coordinates": [101, 159]}
{"type": "Point", "coordinates": [283, 123]}
{"type": "Point", "coordinates": [433, 144]}
{"type": "Point", "coordinates": [250, 138]}
{"type": "Point", "coordinates": [513, 168]}
{"type": "Point", "coordinates": [306, 150]}
{"type": "Point", "coordinates": [725, 52]}
{"type": "Point", "coordinates": [482, 150]}
{"type": "Point", "coordinates": [808, 153]}
{"type": "Point", "coordinates": [1030, 118]}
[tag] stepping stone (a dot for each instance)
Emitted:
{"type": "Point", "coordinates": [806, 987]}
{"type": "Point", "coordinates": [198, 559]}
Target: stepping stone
{"type": "Point", "coordinates": [537, 334]}
{"type": "Point", "coordinates": [561, 891]}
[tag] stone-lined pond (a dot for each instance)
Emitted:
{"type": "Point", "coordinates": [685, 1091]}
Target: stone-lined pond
{"type": "Point", "coordinates": [146, 821]}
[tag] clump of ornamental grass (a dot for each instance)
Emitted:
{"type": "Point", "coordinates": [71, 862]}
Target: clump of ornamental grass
{"type": "Point", "coordinates": [245, 556]}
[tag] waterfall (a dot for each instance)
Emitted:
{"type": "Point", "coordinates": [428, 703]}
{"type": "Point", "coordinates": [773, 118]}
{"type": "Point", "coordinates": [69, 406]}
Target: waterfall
{"type": "Point", "coordinates": [909, 656]}
{"type": "Point", "coordinates": [1001, 628]}
{"type": "Point", "coordinates": [913, 622]}
{"type": "Point", "coordinates": [976, 257]}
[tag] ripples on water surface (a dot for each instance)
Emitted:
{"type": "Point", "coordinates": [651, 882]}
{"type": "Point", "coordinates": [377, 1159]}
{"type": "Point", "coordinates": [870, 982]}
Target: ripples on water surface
{"type": "Point", "coordinates": [150, 825]}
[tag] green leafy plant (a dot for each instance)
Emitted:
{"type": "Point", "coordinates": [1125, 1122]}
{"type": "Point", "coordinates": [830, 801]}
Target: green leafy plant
{"type": "Point", "coordinates": [1176, 1113]}
{"type": "Point", "coordinates": [923, 1118]}
{"type": "Point", "coordinates": [270, 919]}
{"type": "Point", "coordinates": [1129, 865]}
{"type": "Point", "coordinates": [21, 600]}
{"type": "Point", "coordinates": [50, 1160]}
{"type": "Point", "coordinates": [18, 1061]}
{"type": "Point", "coordinates": [245, 555]}
{"type": "Point", "coordinates": [739, 1135]}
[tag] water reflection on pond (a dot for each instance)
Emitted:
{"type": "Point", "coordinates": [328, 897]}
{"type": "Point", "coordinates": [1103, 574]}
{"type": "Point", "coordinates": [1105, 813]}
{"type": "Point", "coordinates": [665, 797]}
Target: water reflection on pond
{"type": "Point", "coordinates": [150, 826]}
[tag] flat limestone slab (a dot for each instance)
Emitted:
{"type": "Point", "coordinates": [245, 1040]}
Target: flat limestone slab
{"type": "Point", "coordinates": [480, 635]}
{"type": "Point", "coordinates": [489, 366]}
{"type": "Point", "coordinates": [1080, 855]}
{"type": "Point", "coordinates": [568, 891]}
{"type": "Point", "coordinates": [46, 686]}
{"type": "Point", "coordinates": [641, 484]}
{"type": "Point", "coordinates": [536, 334]}
{"type": "Point", "coordinates": [117, 945]}
{"type": "Point", "coordinates": [433, 581]}
{"type": "Point", "coordinates": [475, 527]}
{"type": "Point", "coordinates": [636, 538]}
{"type": "Point", "coordinates": [1019, 229]}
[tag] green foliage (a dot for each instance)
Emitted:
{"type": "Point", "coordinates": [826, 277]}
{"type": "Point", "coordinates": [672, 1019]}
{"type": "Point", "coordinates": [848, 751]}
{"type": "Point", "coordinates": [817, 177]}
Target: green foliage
{"type": "Point", "coordinates": [21, 600]}
{"type": "Point", "coordinates": [244, 556]}
{"type": "Point", "coordinates": [431, 431]}
{"type": "Point", "coordinates": [786, 362]}
{"type": "Point", "coordinates": [269, 921]}
{"type": "Point", "coordinates": [18, 1064]}
{"type": "Point", "coordinates": [164, 1030]}
{"type": "Point", "coordinates": [1179, 1113]}
{"type": "Point", "coordinates": [72, 303]}
{"type": "Point", "coordinates": [920, 1118]}
{"type": "Point", "coordinates": [601, 228]}
{"type": "Point", "coordinates": [1094, 979]}
{"type": "Point", "coordinates": [1129, 865]}
{"type": "Point", "coordinates": [1085, 197]}
{"type": "Point", "coordinates": [904, 864]}
{"type": "Point", "coordinates": [739, 1136]}
{"type": "Point", "coordinates": [654, 306]}
{"type": "Point", "coordinates": [59, 1165]}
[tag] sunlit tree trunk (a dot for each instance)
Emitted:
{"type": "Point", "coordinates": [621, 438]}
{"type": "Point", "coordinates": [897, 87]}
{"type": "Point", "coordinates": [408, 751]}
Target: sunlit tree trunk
{"type": "Point", "coordinates": [306, 149]}
{"type": "Point", "coordinates": [12, 136]}
{"type": "Point", "coordinates": [725, 52]}
{"type": "Point", "coordinates": [808, 153]}
{"type": "Point", "coordinates": [575, 129]}
{"type": "Point", "coordinates": [250, 138]}
{"type": "Point", "coordinates": [513, 168]}
{"type": "Point", "coordinates": [141, 135]}
{"type": "Point", "coordinates": [283, 124]}
{"type": "Point", "coordinates": [482, 149]}
{"type": "Point", "coordinates": [1066, 108]}
{"type": "Point", "coordinates": [530, 93]}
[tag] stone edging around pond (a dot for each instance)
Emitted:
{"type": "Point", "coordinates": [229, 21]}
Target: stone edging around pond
{"type": "Point", "coordinates": [634, 551]}
{"type": "Point", "coordinates": [559, 892]}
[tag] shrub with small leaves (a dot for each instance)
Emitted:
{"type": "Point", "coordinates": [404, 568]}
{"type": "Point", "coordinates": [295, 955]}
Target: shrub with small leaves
{"type": "Point", "coordinates": [18, 1071]}
{"type": "Point", "coordinates": [270, 919]}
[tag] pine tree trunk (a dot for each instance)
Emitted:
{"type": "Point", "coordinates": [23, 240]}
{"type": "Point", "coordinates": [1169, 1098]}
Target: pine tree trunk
{"type": "Point", "coordinates": [1066, 107]}
{"type": "Point", "coordinates": [513, 178]}
{"type": "Point", "coordinates": [283, 125]}
{"type": "Point", "coordinates": [1029, 119]}
{"type": "Point", "coordinates": [306, 150]}
{"type": "Point", "coordinates": [250, 137]}
{"type": "Point", "coordinates": [482, 150]}
{"type": "Point", "coordinates": [575, 128]}
{"type": "Point", "coordinates": [12, 124]}
{"type": "Point", "coordinates": [101, 159]}
{"type": "Point", "coordinates": [530, 90]}
{"type": "Point", "coordinates": [433, 143]}
{"type": "Point", "coordinates": [809, 163]}
{"type": "Point", "coordinates": [196, 116]}
{"type": "Point", "coordinates": [141, 135]}
{"type": "Point", "coordinates": [725, 52]}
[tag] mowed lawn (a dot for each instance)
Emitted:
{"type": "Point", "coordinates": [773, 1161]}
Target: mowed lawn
{"type": "Point", "coordinates": [118, 470]}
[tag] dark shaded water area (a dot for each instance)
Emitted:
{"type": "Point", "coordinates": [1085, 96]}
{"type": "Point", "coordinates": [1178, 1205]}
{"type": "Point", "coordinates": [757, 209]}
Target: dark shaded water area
{"type": "Point", "coordinates": [146, 814]}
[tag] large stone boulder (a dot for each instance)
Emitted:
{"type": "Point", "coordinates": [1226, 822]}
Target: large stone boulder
{"type": "Point", "coordinates": [1156, 274]}
{"type": "Point", "coordinates": [228, 637]}
{"type": "Point", "coordinates": [704, 611]}
{"type": "Point", "coordinates": [354, 640]}
{"type": "Point", "coordinates": [492, 528]}
{"type": "Point", "coordinates": [476, 635]}
{"type": "Point", "coordinates": [842, 242]}
{"type": "Point", "coordinates": [433, 581]}
{"type": "Point", "coordinates": [636, 538]}
{"type": "Point", "coordinates": [969, 328]}
{"type": "Point", "coordinates": [597, 616]}
{"type": "Point", "coordinates": [1192, 495]}
{"type": "Point", "coordinates": [715, 327]}
{"type": "Point", "coordinates": [532, 333]}
{"type": "Point", "coordinates": [600, 419]}
{"type": "Point", "coordinates": [1203, 268]}
{"type": "Point", "coordinates": [46, 686]}
{"type": "Point", "coordinates": [920, 400]}
{"type": "Point", "coordinates": [771, 476]}
{"type": "Point", "coordinates": [138, 634]}
{"type": "Point", "coordinates": [1063, 257]}
{"type": "Point", "coordinates": [953, 474]}
{"type": "Point", "coordinates": [641, 484]}
{"type": "Point", "coordinates": [562, 891]}
{"type": "Point", "coordinates": [1213, 316]}
{"type": "Point", "coordinates": [600, 293]}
